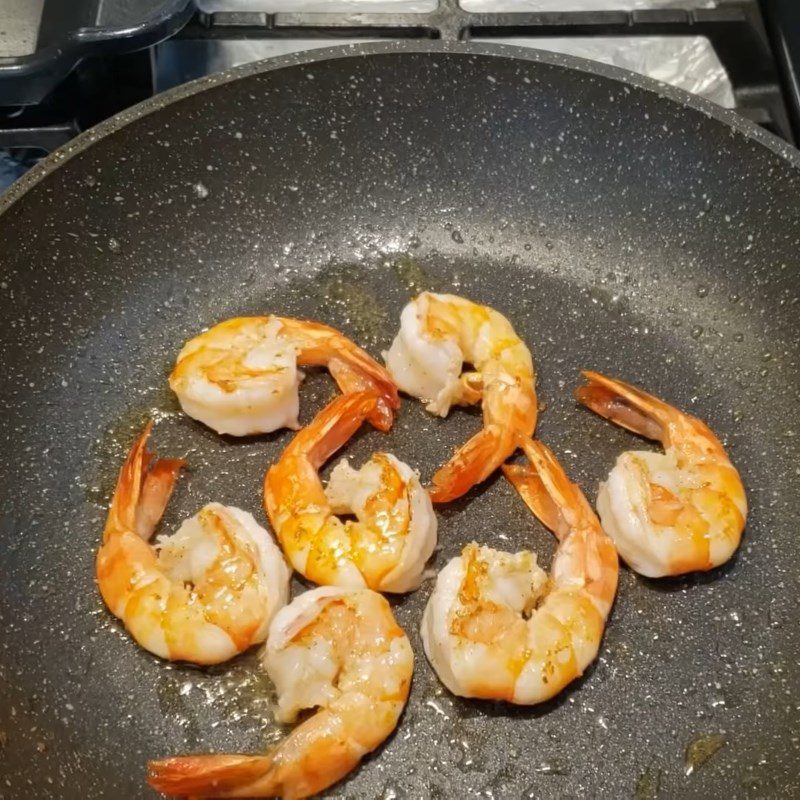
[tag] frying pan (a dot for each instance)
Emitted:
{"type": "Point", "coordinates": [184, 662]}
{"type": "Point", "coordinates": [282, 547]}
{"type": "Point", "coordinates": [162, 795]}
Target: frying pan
{"type": "Point", "coordinates": [621, 225]}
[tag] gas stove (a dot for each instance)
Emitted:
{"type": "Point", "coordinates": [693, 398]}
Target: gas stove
{"type": "Point", "coordinates": [67, 66]}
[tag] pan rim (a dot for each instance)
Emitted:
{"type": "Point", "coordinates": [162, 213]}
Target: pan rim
{"type": "Point", "coordinates": [91, 136]}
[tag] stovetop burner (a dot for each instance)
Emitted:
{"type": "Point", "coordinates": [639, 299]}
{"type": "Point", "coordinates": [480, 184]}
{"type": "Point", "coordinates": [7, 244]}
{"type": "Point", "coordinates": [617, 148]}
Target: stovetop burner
{"type": "Point", "coordinates": [93, 58]}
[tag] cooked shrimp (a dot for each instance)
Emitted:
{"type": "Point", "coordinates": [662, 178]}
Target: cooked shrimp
{"type": "Point", "coordinates": [438, 334]}
{"type": "Point", "coordinates": [240, 377]}
{"type": "Point", "coordinates": [203, 594]}
{"type": "Point", "coordinates": [496, 627]}
{"type": "Point", "coordinates": [668, 513]}
{"type": "Point", "coordinates": [394, 533]}
{"type": "Point", "coordinates": [333, 649]}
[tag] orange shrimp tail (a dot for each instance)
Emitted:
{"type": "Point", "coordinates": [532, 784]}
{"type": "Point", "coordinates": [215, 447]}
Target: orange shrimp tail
{"type": "Point", "coordinates": [360, 373]}
{"type": "Point", "coordinates": [472, 463]}
{"type": "Point", "coordinates": [624, 405]}
{"type": "Point", "coordinates": [547, 491]}
{"type": "Point", "coordinates": [143, 489]}
{"type": "Point", "coordinates": [562, 507]}
{"type": "Point", "coordinates": [331, 429]}
{"type": "Point", "coordinates": [534, 494]}
{"type": "Point", "coordinates": [207, 775]}
{"type": "Point", "coordinates": [353, 369]}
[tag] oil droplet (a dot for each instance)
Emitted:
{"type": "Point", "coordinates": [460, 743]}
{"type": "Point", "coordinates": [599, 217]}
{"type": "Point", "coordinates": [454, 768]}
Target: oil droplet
{"type": "Point", "coordinates": [700, 749]}
{"type": "Point", "coordinates": [648, 784]}
{"type": "Point", "coordinates": [717, 701]}
{"type": "Point", "coordinates": [697, 332]}
{"type": "Point", "coordinates": [550, 768]}
{"type": "Point", "coordinates": [702, 291]}
{"type": "Point", "coordinates": [412, 275]}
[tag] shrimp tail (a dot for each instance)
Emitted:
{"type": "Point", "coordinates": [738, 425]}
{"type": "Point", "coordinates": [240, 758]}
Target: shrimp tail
{"type": "Point", "coordinates": [157, 488]}
{"type": "Point", "coordinates": [143, 489]}
{"type": "Point", "coordinates": [623, 404]}
{"type": "Point", "coordinates": [331, 428]}
{"type": "Point", "coordinates": [362, 374]}
{"type": "Point", "coordinates": [207, 775]}
{"type": "Point", "coordinates": [534, 493]}
{"type": "Point", "coordinates": [546, 489]}
{"type": "Point", "coordinates": [584, 549]}
{"type": "Point", "coordinates": [353, 369]}
{"type": "Point", "coordinates": [472, 463]}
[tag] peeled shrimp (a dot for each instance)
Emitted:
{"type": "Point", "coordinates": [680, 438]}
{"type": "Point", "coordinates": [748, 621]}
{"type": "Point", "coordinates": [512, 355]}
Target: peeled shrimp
{"type": "Point", "coordinates": [673, 512]}
{"type": "Point", "coordinates": [438, 334]}
{"type": "Point", "coordinates": [205, 593]}
{"type": "Point", "coordinates": [241, 377]}
{"type": "Point", "coordinates": [496, 627]}
{"type": "Point", "coordinates": [394, 533]}
{"type": "Point", "coordinates": [339, 651]}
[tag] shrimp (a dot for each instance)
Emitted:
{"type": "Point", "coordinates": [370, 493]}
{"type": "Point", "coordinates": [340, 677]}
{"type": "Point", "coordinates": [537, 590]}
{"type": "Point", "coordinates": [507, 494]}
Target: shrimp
{"type": "Point", "coordinates": [496, 627]}
{"type": "Point", "coordinates": [240, 377]}
{"type": "Point", "coordinates": [203, 594]}
{"type": "Point", "coordinates": [438, 334]}
{"type": "Point", "coordinates": [333, 649]}
{"type": "Point", "coordinates": [394, 534]}
{"type": "Point", "coordinates": [668, 513]}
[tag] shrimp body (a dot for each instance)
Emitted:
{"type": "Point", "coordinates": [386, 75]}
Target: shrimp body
{"type": "Point", "coordinates": [496, 627]}
{"type": "Point", "coordinates": [337, 650]}
{"type": "Point", "coordinates": [439, 333]}
{"type": "Point", "coordinates": [205, 593]}
{"type": "Point", "coordinates": [241, 376]}
{"type": "Point", "coordinates": [394, 532]}
{"type": "Point", "coordinates": [668, 513]}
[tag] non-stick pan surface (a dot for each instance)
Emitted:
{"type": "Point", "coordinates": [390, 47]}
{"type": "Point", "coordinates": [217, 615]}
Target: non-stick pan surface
{"type": "Point", "coordinates": [620, 229]}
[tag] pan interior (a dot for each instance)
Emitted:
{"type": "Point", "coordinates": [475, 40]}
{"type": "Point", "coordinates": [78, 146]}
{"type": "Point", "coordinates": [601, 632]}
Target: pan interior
{"type": "Point", "coordinates": [618, 230]}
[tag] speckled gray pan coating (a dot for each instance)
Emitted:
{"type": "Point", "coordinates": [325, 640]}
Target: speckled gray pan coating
{"type": "Point", "coordinates": [620, 227]}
